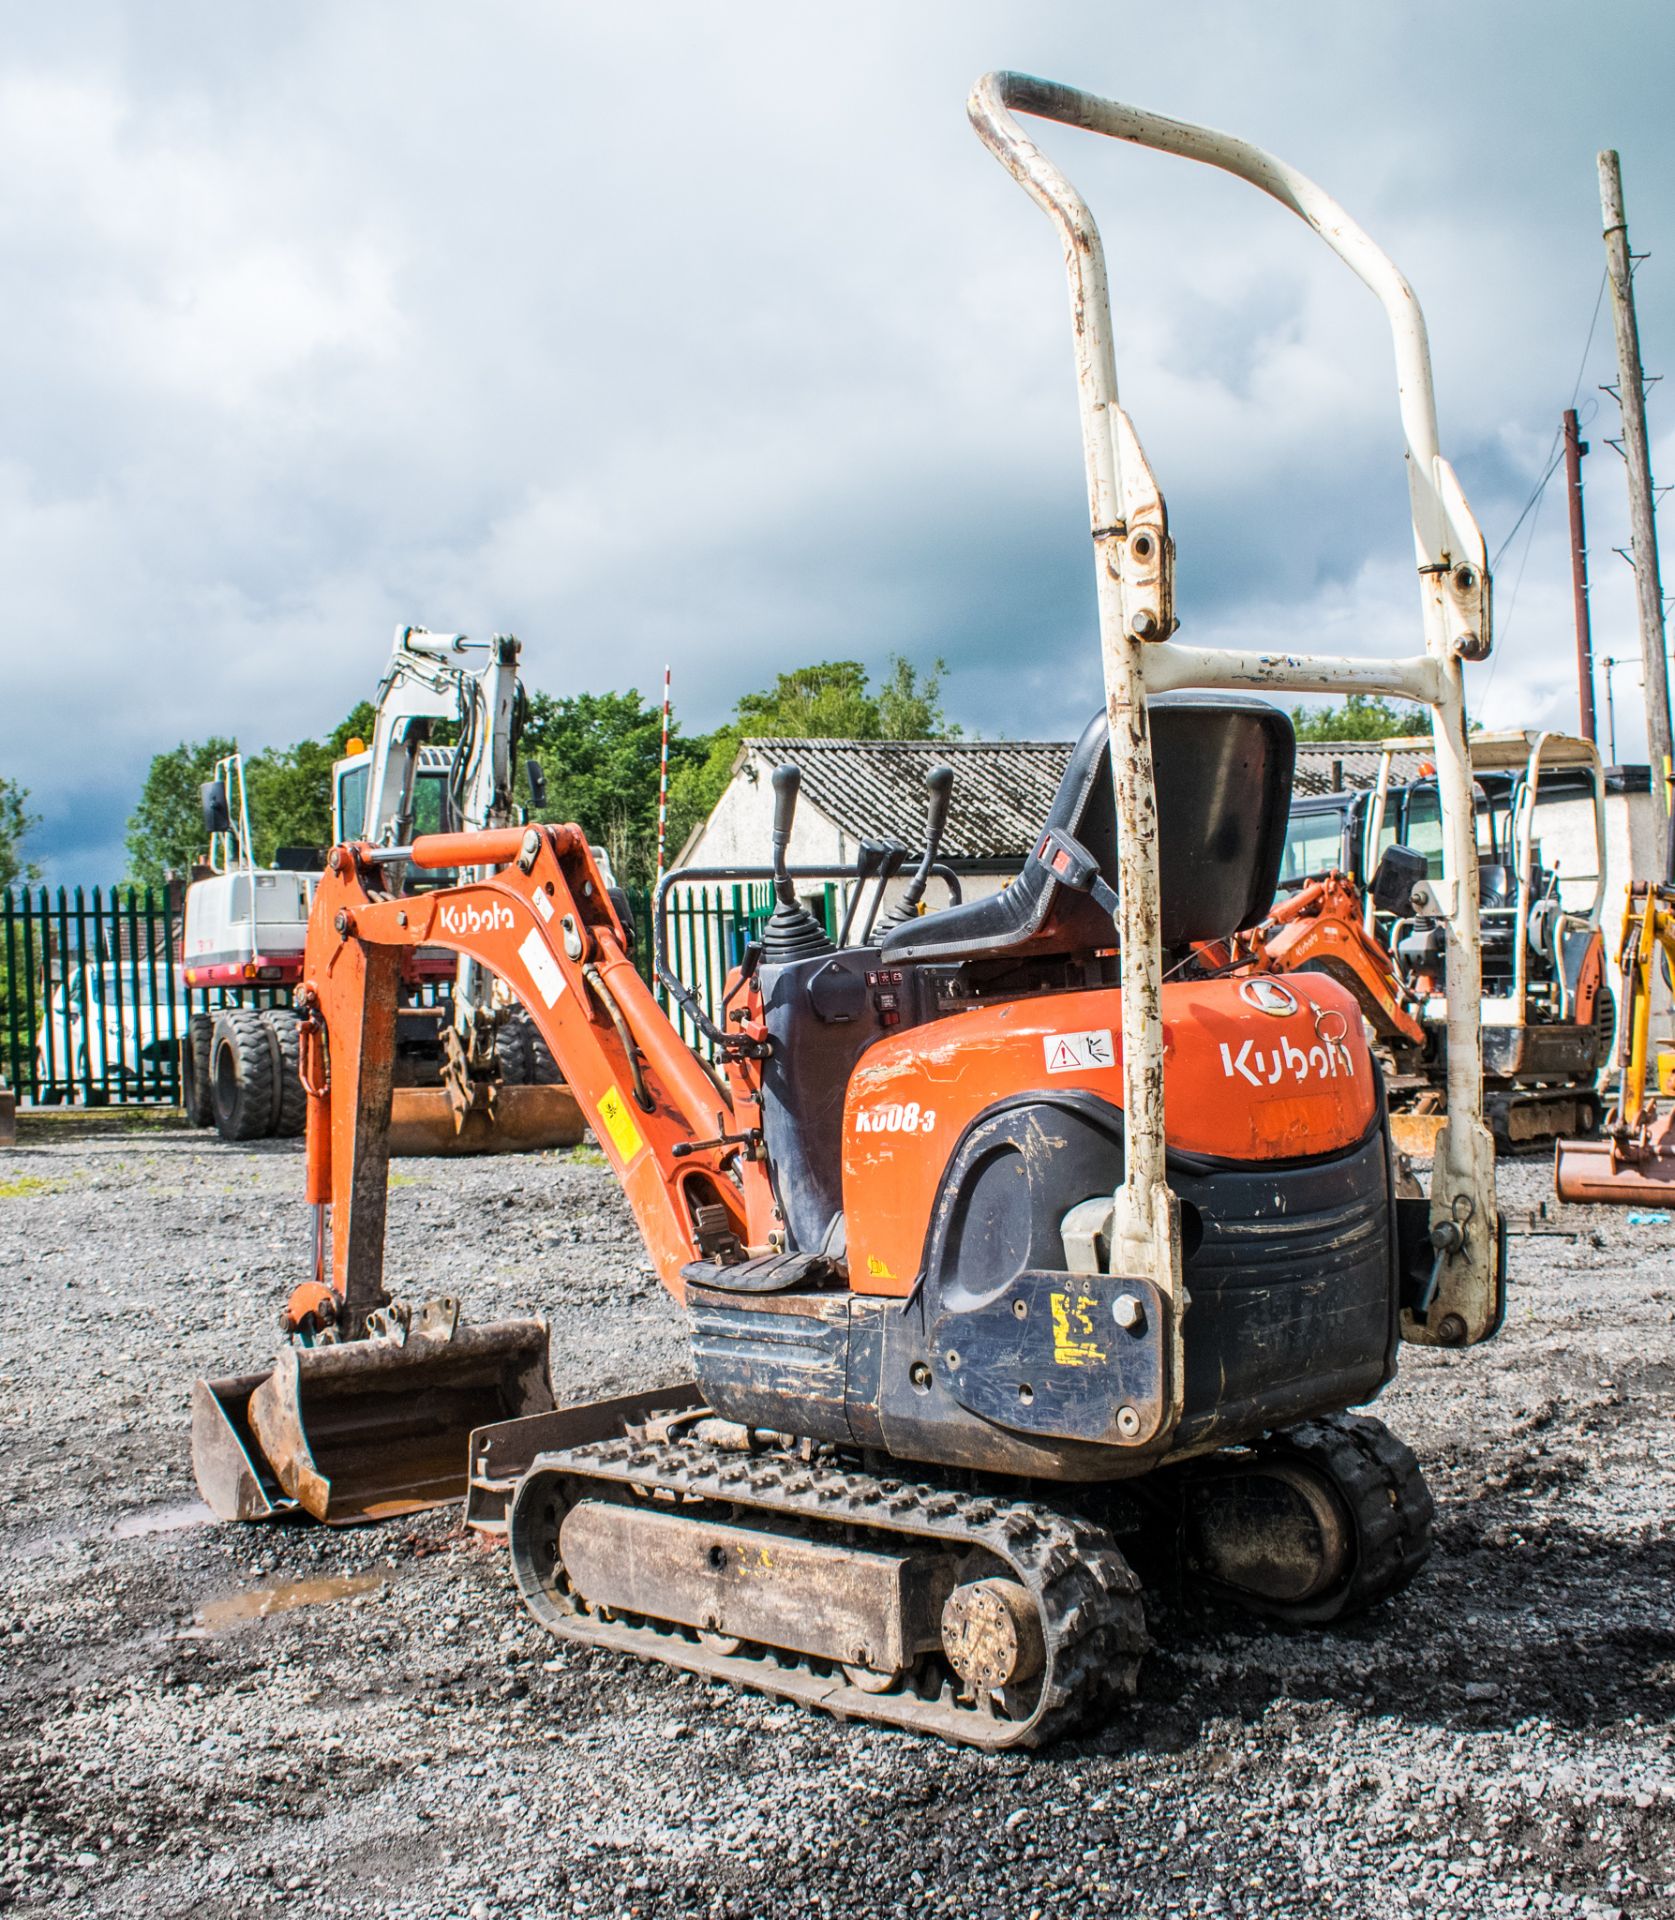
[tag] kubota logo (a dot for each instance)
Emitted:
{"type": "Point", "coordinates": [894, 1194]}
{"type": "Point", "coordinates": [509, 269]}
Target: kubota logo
{"type": "Point", "coordinates": [1266, 1066]}
{"type": "Point", "coordinates": [464, 920]}
{"type": "Point", "coordinates": [1268, 996]}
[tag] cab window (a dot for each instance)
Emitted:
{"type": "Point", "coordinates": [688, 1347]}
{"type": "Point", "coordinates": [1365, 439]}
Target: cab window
{"type": "Point", "coordinates": [1313, 845]}
{"type": "Point", "coordinates": [430, 803]}
{"type": "Point", "coordinates": [351, 802]}
{"type": "Point", "coordinates": [1418, 827]}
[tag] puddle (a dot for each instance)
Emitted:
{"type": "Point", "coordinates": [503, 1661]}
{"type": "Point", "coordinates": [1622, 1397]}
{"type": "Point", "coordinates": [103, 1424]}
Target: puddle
{"type": "Point", "coordinates": [281, 1596]}
{"type": "Point", "coordinates": [176, 1519]}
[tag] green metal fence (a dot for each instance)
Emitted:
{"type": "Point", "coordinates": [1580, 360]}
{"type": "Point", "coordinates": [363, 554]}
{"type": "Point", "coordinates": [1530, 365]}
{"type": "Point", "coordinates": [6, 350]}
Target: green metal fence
{"type": "Point", "coordinates": [93, 1007]}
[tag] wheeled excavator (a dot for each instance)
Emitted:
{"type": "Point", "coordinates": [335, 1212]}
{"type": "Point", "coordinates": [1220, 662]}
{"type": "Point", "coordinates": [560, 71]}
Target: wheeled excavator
{"type": "Point", "coordinates": [1008, 1240]}
{"type": "Point", "coordinates": [473, 1075]}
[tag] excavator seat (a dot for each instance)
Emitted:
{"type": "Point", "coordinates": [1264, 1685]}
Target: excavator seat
{"type": "Point", "coordinates": [1223, 768]}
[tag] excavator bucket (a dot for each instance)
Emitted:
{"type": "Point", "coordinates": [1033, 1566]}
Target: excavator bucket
{"type": "Point", "coordinates": [521, 1120]}
{"type": "Point", "coordinates": [363, 1430]}
{"type": "Point", "coordinates": [1638, 1171]}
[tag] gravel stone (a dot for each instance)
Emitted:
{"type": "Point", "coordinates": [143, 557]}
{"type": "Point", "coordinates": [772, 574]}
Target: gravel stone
{"type": "Point", "coordinates": [1500, 1739]}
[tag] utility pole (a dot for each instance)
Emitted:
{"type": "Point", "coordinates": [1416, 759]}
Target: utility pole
{"type": "Point", "coordinates": [1574, 448]}
{"type": "Point", "coordinates": [1608, 662]}
{"type": "Point", "coordinates": [1631, 397]}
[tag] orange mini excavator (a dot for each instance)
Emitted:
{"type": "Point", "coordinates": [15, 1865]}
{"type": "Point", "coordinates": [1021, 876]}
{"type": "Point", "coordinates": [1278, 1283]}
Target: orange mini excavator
{"type": "Point", "coordinates": [1007, 1240]}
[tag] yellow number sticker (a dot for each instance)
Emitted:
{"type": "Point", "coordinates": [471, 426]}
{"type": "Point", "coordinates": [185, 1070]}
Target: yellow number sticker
{"type": "Point", "coordinates": [1073, 1330]}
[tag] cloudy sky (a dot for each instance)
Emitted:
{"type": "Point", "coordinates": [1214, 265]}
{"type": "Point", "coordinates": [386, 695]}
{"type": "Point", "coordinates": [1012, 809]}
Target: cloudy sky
{"type": "Point", "coordinates": [710, 334]}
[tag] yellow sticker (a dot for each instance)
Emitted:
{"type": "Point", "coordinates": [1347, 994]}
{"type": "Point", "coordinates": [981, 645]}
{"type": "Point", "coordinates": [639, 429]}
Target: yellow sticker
{"type": "Point", "coordinates": [1073, 1342]}
{"type": "Point", "coordinates": [878, 1269]}
{"type": "Point", "coordinates": [619, 1124]}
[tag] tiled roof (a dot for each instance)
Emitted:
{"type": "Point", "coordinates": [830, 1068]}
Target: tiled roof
{"type": "Point", "coordinates": [875, 789]}
{"type": "Point", "coordinates": [1358, 763]}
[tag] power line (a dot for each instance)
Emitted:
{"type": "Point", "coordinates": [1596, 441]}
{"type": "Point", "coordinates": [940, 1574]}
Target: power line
{"type": "Point", "coordinates": [1532, 505]}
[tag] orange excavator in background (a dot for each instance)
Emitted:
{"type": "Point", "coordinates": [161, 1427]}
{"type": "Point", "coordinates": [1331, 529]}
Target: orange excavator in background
{"type": "Point", "coordinates": [1009, 1240]}
{"type": "Point", "coordinates": [1321, 928]}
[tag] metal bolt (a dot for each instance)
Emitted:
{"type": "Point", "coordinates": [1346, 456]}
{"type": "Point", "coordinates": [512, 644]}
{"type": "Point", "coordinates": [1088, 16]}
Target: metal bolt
{"type": "Point", "coordinates": [1129, 1312]}
{"type": "Point", "coordinates": [1144, 624]}
{"type": "Point", "coordinates": [343, 923]}
{"type": "Point", "coordinates": [336, 860]}
{"type": "Point", "coordinates": [401, 918]}
{"type": "Point", "coordinates": [531, 850]}
{"type": "Point", "coordinates": [1451, 1330]}
{"type": "Point", "coordinates": [920, 1375]}
{"type": "Point", "coordinates": [1128, 1422]}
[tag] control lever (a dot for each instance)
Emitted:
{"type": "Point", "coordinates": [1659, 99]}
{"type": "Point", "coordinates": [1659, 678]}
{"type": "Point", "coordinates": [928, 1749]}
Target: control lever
{"type": "Point", "coordinates": [788, 781]}
{"type": "Point", "coordinates": [792, 932]}
{"type": "Point", "coordinates": [869, 863]}
{"type": "Point", "coordinates": [939, 783]}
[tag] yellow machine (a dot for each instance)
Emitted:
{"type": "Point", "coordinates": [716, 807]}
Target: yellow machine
{"type": "Point", "coordinates": [1634, 1158]}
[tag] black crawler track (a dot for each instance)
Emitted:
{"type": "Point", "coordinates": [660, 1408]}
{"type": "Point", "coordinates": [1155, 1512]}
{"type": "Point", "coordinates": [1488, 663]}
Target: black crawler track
{"type": "Point", "coordinates": [1389, 1506]}
{"type": "Point", "coordinates": [1087, 1596]}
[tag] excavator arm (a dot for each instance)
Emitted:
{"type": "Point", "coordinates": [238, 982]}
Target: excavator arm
{"type": "Point", "coordinates": [1321, 928]}
{"type": "Point", "coordinates": [682, 1143]}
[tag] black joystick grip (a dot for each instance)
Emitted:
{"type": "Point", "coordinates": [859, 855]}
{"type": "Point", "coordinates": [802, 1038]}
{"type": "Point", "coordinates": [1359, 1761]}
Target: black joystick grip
{"type": "Point", "coordinates": [788, 782]}
{"type": "Point", "coordinates": [792, 932]}
{"type": "Point", "coordinates": [939, 782]}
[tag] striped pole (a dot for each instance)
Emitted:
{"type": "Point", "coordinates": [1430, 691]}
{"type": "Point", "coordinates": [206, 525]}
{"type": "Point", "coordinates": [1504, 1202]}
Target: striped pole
{"type": "Point", "coordinates": [663, 780]}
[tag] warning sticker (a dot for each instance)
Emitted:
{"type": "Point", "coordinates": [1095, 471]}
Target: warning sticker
{"type": "Point", "coordinates": [618, 1122]}
{"type": "Point", "coordinates": [542, 903]}
{"type": "Point", "coordinates": [543, 968]}
{"type": "Point", "coordinates": [1077, 1052]}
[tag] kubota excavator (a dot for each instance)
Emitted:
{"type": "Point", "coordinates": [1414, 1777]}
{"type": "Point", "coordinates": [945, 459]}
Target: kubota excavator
{"type": "Point", "coordinates": [1003, 1238]}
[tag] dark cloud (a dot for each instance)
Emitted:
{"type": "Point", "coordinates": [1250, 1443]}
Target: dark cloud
{"type": "Point", "coordinates": [713, 336]}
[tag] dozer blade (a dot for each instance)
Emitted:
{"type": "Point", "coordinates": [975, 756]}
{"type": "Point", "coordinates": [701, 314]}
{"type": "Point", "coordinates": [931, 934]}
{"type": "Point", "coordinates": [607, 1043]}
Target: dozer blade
{"type": "Point", "coordinates": [524, 1120]}
{"type": "Point", "coordinates": [1605, 1173]}
{"type": "Point", "coordinates": [501, 1455]}
{"type": "Point", "coordinates": [366, 1429]}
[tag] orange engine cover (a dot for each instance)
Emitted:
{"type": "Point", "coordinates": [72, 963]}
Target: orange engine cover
{"type": "Point", "coordinates": [1254, 1069]}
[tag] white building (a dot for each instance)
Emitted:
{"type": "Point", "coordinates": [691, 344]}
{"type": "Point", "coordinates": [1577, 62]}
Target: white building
{"type": "Point", "coordinates": [856, 791]}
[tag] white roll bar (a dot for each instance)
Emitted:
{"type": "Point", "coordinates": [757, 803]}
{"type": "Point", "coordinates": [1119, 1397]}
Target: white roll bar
{"type": "Point", "coordinates": [1134, 561]}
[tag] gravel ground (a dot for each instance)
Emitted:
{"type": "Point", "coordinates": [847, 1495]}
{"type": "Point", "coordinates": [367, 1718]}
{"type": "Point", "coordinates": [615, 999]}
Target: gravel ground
{"type": "Point", "coordinates": [1500, 1739]}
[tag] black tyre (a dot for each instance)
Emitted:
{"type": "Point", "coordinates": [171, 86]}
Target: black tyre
{"type": "Point", "coordinates": [194, 1070]}
{"type": "Point", "coordinates": [286, 1029]}
{"type": "Point", "coordinates": [242, 1077]}
{"type": "Point", "coordinates": [1605, 1027]}
{"type": "Point", "coordinates": [525, 1058]}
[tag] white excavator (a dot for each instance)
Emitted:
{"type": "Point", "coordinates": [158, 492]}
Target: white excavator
{"type": "Point", "coordinates": [472, 1073]}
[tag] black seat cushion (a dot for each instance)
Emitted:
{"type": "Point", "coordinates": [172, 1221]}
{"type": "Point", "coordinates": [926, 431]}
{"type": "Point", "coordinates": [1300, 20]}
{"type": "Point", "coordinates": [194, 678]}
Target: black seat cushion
{"type": "Point", "coordinates": [1222, 765]}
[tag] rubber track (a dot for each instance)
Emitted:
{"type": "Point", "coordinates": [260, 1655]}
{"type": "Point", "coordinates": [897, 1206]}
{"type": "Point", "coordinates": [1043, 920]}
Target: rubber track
{"type": "Point", "coordinates": [1088, 1596]}
{"type": "Point", "coordinates": [1378, 1479]}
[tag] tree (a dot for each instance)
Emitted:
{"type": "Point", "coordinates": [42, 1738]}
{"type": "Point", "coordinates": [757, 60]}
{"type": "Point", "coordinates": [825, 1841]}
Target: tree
{"type": "Point", "coordinates": [600, 754]}
{"type": "Point", "coordinates": [166, 829]}
{"type": "Point", "coordinates": [1362, 716]}
{"type": "Point", "coordinates": [827, 701]}
{"type": "Point", "coordinates": [16, 823]}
